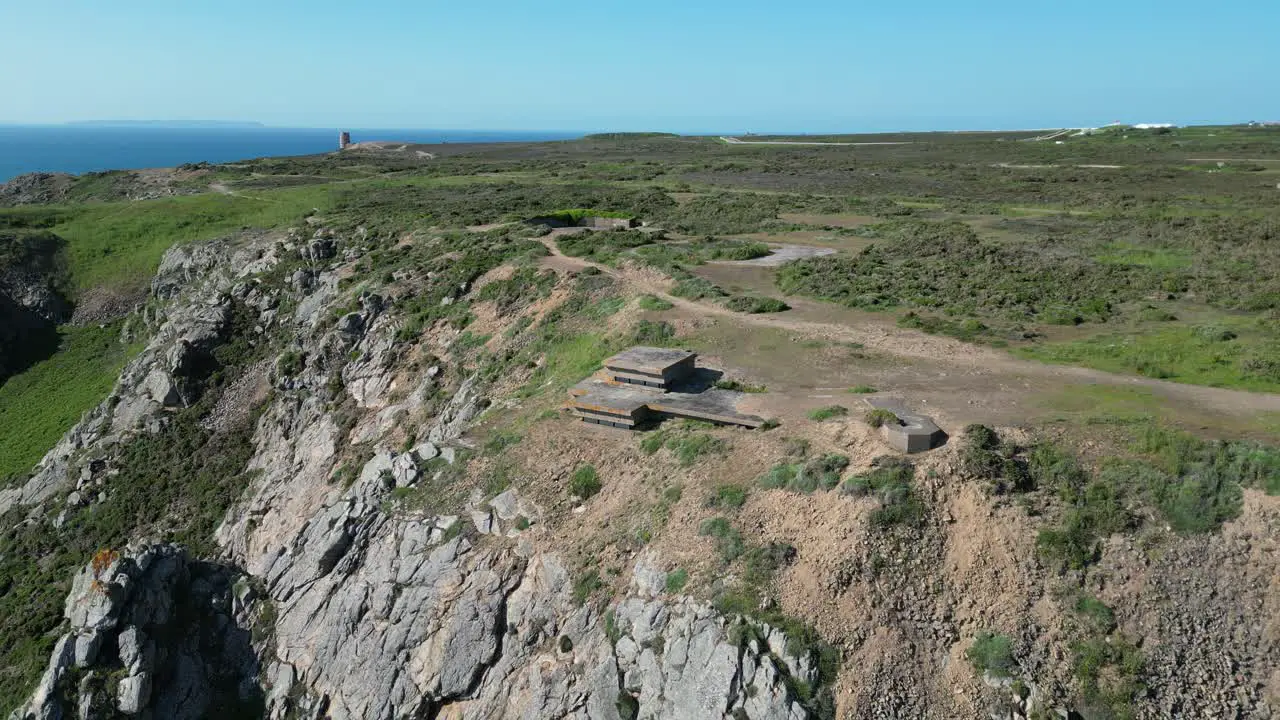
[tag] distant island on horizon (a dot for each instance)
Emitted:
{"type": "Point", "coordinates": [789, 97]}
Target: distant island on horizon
{"type": "Point", "coordinates": [169, 123]}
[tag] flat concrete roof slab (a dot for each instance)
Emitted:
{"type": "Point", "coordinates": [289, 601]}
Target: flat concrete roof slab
{"type": "Point", "coordinates": [596, 394]}
{"type": "Point", "coordinates": [714, 405]}
{"type": "Point", "coordinates": [649, 360]}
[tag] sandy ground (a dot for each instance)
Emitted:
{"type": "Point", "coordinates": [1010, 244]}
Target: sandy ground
{"type": "Point", "coordinates": [782, 254]}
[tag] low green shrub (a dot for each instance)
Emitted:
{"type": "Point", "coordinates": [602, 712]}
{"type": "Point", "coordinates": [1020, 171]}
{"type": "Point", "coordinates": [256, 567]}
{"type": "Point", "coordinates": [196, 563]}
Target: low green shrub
{"type": "Point", "coordinates": [584, 483]}
{"type": "Point", "coordinates": [290, 363]}
{"type": "Point", "coordinates": [627, 706]}
{"type": "Point", "coordinates": [992, 654]}
{"type": "Point", "coordinates": [727, 497]}
{"type": "Point", "coordinates": [968, 330]}
{"type": "Point", "coordinates": [1097, 511]}
{"type": "Point", "coordinates": [1214, 333]}
{"type": "Point", "coordinates": [826, 413]}
{"type": "Point", "coordinates": [779, 476]}
{"type": "Point", "coordinates": [696, 288]}
{"type": "Point", "coordinates": [1109, 671]}
{"type": "Point", "coordinates": [676, 580]}
{"type": "Point", "coordinates": [754, 304]}
{"type": "Point", "coordinates": [586, 585]}
{"type": "Point", "coordinates": [653, 303]}
{"type": "Point", "coordinates": [985, 456]}
{"type": "Point", "coordinates": [890, 481]}
{"type": "Point", "coordinates": [649, 332]}
{"type": "Point", "coordinates": [728, 541]}
{"type": "Point", "coordinates": [740, 386]}
{"type": "Point", "coordinates": [879, 417]}
{"type": "Point", "coordinates": [1100, 617]}
{"type": "Point", "coordinates": [684, 441]}
{"type": "Point", "coordinates": [523, 287]}
{"type": "Point", "coordinates": [602, 246]}
{"type": "Point", "coordinates": [821, 472]}
{"type": "Point", "coordinates": [762, 562]}
{"type": "Point", "coordinates": [863, 390]}
{"type": "Point", "coordinates": [736, 250]}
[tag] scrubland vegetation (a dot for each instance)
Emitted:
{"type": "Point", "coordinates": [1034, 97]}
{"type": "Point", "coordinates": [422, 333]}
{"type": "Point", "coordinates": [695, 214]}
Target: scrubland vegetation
{"type": "Point", "coordinates": [1162, 268]}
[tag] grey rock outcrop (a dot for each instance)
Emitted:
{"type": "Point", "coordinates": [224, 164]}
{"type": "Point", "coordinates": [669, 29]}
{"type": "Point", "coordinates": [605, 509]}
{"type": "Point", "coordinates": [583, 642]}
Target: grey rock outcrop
{"type": "Point", "coordinates": [348, 606]}
{"type": "Point", "coordinates": [197, 280]}
{"type": "Point", "coordinates": [35, 189]}
{"type": "Point", "coordinates": [32, 303]}
{"type": "Point", "coordinates": [171, 631]}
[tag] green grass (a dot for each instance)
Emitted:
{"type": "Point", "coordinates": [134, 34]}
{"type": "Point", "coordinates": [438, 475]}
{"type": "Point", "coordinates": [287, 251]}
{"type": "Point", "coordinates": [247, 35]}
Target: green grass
{"type": "Point", "coordinates": [992, 654]}
{"type": "Point", "coordinates": [574, 216]}
{"type": "Point", "coordinates": [880, 417]}
{"type": "Point", "coordinates": [569, 360]}
{"type": "Point", "coordinates": [586, 585]}
{"type": "Point", "coordinates": [728, 497]}
{"type": "Point", "coordinates": [585, 482]}
{"type": "Point", "coordinates": [739, 386]}
{"type": "Point", "coordinates": [1104, 404]}
{"type": "Point", "coordinates": [684, 441]}
{"type": "Point", "coordinates": [1184, 354]}
{"type": "Point", "coordinates": [121, 243]}
{"type": "Point", "coordinates": [1120, 253]}
{"type": "Point", "coordinates": [890, 480]}
{"type": "Point", "coordinates": [755, 304]}
{"type": "Point", "coordinates": [863, 390]}
{"type": "Point", "coordinates": [826, 413]}
{"type": "Point", "coordinates": [41, 404]}
{"type": "Point", "coordinates": [654, 303]}
{"type": "Point", "coordinates": [822, 472]}
{"type": "Point", "coordinates": [676, 580]}
{"type": "Point", "coordinates": [728, 540]}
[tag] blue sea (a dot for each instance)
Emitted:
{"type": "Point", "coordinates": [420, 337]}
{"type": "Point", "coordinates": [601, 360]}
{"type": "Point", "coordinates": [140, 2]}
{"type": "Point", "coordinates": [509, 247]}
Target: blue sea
{"type": "Point", "coordinates": [80, 149]}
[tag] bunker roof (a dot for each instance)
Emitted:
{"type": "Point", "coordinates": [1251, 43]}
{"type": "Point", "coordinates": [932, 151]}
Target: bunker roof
{"type": "Point", "coordinates": [648, 359]}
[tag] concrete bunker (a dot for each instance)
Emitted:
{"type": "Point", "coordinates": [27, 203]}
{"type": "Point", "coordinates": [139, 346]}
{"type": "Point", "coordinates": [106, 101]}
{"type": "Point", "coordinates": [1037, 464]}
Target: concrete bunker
{"type": "Point", "coordinates": [915, 433]}
{"type": "Point", "coordinates": [586, 218]}
{"type": "Point", "coordinates": [642, 385]}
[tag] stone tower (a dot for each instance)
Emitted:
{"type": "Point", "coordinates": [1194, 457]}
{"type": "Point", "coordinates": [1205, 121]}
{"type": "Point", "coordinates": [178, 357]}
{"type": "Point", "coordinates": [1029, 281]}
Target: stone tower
{"type": "Point", "coordinates": [344, 140]}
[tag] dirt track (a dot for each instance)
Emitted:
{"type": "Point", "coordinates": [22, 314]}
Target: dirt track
{"type": "Point", "coordinates": [998, 368]}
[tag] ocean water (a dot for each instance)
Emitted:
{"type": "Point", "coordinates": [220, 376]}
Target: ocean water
{"type": "Point", "coordinates": [80, 149]}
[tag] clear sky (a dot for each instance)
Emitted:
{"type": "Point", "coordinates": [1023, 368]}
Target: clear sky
{"type": "Point", "coordinates": [678, 65]}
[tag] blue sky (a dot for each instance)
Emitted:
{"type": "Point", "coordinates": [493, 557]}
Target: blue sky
{"type": "Point", "coordinates": [686, 66]}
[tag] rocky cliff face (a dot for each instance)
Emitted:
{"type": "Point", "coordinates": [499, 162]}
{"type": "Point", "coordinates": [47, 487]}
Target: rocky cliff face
{"type": "Point", "coordinates": [152, 633]}
{"type": "Point", "coordinates": [35, 189]}
{"type": "Point", "coordinates": [32, 302]}
{"type": "Point", "coordinates": [327, 601]}
{"type": "Point", "coordinates": [368, 570]}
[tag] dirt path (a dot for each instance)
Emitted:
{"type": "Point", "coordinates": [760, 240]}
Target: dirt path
{"type": "Point", "coordinates": [222, 188]}
{"type": "Point", "coordinates": [965, 358]}
{"type": "Point", "coordinates": [736, 141]}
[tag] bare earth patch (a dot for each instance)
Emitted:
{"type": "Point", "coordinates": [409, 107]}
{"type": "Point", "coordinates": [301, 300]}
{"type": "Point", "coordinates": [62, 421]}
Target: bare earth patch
{"type": "Point", "coordinates": [783, 254]}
